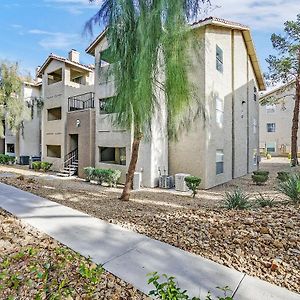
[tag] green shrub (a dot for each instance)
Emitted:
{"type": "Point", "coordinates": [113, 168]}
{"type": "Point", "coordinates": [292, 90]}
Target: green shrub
{"type": "Point", "coordinates": [4, 159]}
{"type": "Point", "coordinates": [283, 176]}
{"type": "Point", "coordinates": [264, 201]}
{"type": "Point", "coordinates": [291, 188]}
{"type": "Point", "coordinates": [36, 165]}
{"type": "Point", "coordinates": [89, 173]}
{"type": "Point", "coordinates": [193, 183]}
{"type": "Point", "coordinates": [169, 289]}
{"type": "Point", "coordinates": [113, 177]}
{"type": "Point", "coordinates": [45, 166]}
{"type": "Point", "coordinates": [107, 175]}
{"type": "Point", "coordinates": [236, 200]}
{"type": "Point", "coordinates": [259, 179]}
{"type": "Point", "coordinates": [12, 159]}
{"type": "Point", "coordinates": [261, 172]}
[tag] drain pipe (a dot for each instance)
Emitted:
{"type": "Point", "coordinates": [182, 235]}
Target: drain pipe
{"type": "Point", "coordinates": [232, 107]}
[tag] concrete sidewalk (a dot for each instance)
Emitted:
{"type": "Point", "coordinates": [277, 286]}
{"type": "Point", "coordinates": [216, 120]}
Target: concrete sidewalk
{"type": "Point", "coordinates": [130, 255]}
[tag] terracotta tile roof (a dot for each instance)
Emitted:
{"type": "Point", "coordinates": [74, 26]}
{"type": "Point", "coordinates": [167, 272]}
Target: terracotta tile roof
{"type": "Point", "coordinates": [220, 20]}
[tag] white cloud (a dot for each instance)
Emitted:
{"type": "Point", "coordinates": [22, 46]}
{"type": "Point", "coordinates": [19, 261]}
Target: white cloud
{"type": "Point", "coordinates": [56, 40]}
{"type": "Point", "coordinates": [261, 15]}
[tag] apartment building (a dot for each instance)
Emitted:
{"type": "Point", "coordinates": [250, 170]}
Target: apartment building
{"type": "Point", "coordinates": [276, 120]}
{"type": "Point", "coordinates": [68, 113]}
{"type": "Point", "coordinates": [27, 141]}
{"type": "Point", "coordinates": [222, 146]}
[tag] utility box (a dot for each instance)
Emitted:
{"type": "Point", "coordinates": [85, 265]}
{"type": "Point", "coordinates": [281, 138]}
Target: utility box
{"type": "Point", "coordinates": [137, 181]}
{"type": "Point", "coordinates": [180, 184]}
{"type": "Point", "coordinates": [24, 160]}
{"type": "Point", "coordinates": [166, 182]}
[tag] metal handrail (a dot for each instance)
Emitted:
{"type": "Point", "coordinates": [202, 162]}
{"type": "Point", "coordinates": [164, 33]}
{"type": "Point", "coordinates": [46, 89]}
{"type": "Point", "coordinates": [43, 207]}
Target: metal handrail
{"type": "Point", "coordinates": [70, 158]}
{"type": "Point", "coordinates": [82, 101]}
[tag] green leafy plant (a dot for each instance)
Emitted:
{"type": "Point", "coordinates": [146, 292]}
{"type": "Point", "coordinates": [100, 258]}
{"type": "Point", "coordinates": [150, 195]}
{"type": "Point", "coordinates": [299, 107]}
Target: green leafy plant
{"type": "Point", "coordinates": [236, 200]}
{"type": "Point", "coordinates": [108, 176]}
{"type": "Point", "coordinates": [4, 159]}
{"type": "Point", "coordinates": [283, 176]}
{"type": "Point", "coordinates": [167, 289]}
{"type": "Point", "coordinates": [45, 166]}
{"type": "Point", "coordinates": [260, 179]}
{"type": "Point", "coordinates": [261, 172]}
{"type": "Point", "coordinates": [264, 201]}
{"type": "Point", "coordinates": [193, 183]}
{"type": "Point", "coordinates": [36, 165]}
{"type": "Point", "coordinates": [291, 188]}
{"type": "Point", "coordinates": [89, 173]}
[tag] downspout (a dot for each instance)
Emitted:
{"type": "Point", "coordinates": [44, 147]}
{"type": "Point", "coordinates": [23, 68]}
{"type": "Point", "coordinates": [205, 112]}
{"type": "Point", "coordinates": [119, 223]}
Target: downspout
{"type": "Point", "coordinates": [232, 106]}
{"type": "Point", "coordinates": [248, 117]}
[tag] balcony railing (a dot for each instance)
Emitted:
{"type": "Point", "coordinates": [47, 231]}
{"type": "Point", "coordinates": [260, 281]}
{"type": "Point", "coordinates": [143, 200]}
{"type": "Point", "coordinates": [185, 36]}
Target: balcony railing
{"type": "Point", "coordinates": [80, 102]}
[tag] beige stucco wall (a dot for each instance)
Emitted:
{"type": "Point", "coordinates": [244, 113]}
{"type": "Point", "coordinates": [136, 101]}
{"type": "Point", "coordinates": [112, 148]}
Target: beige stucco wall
{"type": "Point", "coordinates": [56, 95]}
{"type": "Point", "coordinates": [282, 117]}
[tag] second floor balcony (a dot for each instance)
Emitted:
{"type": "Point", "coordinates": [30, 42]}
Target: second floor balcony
{"type": "Point", "coordinates": [81, 102]}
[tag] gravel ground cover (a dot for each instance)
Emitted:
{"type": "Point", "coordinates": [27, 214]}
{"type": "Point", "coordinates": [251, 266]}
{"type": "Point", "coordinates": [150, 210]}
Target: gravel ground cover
{"type": "Point", "coordinates": [34, 266]}
{"type": "Point", "coordinates": [262, 242]}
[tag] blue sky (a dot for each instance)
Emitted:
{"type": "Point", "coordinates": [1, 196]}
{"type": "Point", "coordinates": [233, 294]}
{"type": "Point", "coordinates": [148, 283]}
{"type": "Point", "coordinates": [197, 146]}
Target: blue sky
{"type": "Point", "coordinates": [31, 29]}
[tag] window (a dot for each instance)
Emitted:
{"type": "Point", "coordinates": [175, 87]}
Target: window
{"type": "Point", "coordinates": [271, 127]}
{"type": "Point", "coordinates": [104, 105]}
{"type": "Point", "coordinates": [54, 114]}
{"type": "Point", "coordinates": [254, 126]}
{"type": "Point", "coordinates": [271, 147]}
{"type": "Point", "coordinates": [270, 108]}
{"type": "Point", "coordinates": [255, 93]}
{"type": "Point", "coordinates": [219, 59]}
{"type": "Point", "coordinates": [76, 76]}
{"type": "Point", "coordinates": [10, 148]}
{"type": "Point", "coordinates": [54, 151]}
{"type": "Point", "coordinates": [219, 162]}
{"type": "Point", "coordinates": [55, 76]}
{"type": "Point", "coordinates": [112, 155]}
{"type": "Point", "coordinates": [219, 111]}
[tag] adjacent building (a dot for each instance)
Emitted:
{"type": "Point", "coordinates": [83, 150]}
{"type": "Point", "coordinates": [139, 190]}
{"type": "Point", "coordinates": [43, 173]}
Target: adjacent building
{"type": "Point", "coordinates": [276, 120]}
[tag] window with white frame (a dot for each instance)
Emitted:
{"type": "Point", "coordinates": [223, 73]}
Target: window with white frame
{"type": "Point", "coordinates": [271, 147]}
{"type": "Point", "coordinates": [219, 59]}
{"type": "Point", "coordinates": [219, 161]}
{"type": "Point", "coordinates": [271, 127]}
{"type": "Point", "coordinates": [219, 111]}
{"type": "Point", "coordinates": [270, 108]}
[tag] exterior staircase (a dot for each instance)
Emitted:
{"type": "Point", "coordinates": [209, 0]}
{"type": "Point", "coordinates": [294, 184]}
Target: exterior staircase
{"type": "Point", "coordinates": [70, 165]}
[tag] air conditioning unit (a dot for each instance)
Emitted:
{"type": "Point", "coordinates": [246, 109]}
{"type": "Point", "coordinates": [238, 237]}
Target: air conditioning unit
{"type": "Point", "coordinates": [137, 180]}
{"type": "Point", "coordinates": [166, 182]}
{"type": "Point", "coordinates": [180, 184]}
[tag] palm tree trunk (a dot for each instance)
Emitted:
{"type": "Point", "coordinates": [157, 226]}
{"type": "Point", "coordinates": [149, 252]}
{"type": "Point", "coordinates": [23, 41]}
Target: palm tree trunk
{"type": "Point", "coordinates": [132, 166]}
{"type": "Point", "coordinates": [295, 125]}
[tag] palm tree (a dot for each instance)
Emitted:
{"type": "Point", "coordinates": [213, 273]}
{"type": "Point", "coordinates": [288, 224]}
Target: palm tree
{"type": "Point", "coordinates": [149, 42]}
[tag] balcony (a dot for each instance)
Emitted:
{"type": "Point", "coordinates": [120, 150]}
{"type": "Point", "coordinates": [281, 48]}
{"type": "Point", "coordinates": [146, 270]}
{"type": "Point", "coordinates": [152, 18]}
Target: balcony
{"type": "Point", "coordinates": [81, 102]}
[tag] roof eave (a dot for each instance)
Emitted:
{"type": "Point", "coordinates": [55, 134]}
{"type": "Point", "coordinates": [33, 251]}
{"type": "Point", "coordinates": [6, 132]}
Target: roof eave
{"type": "Point", "coordinates": [90, 49]}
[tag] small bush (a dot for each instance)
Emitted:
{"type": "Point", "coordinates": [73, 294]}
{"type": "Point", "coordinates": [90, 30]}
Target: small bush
{"type": "Point", "coordinates": [259, 179]}
{"type": "Point", "coordinates": [283, 176]}
{"type": "Point", "coordinates": [236, 200]}
{"type": "Point", "coordinates": [12, 159]}
{"type": "Point", "coordinates": [291, 188]}
{"type": "Point", "coordinates": [169, 289]}
{"type": "Point", "coordinates": [264, 201]}
{"type": "Point", "coordinates": [45, 166]}
{"type": "Point", "coordinates": [36, 165]}
{"type": "Point", "coordinates": [89, 172]}
{"type": "Point", "coordinates": [193, 183]}
{"type": "Point", "coordinates": [4, 159]}
{"type": "Point", "coordinates": [100, 175]}
{"type": "Point", "coordinates": [261, 172]}
{"type": "Point", "coordinates": [113, 177]}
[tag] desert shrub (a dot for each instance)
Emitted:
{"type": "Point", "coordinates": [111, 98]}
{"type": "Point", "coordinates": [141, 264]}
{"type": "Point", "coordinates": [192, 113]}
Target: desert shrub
{"type": "Point", "coordinates": [236, 200]}
{"type": "Point", "coordinates": [193, 183]}
{"type": "Point", "coordinates": [45, 166]}
{"type": "Point", "coordinates": [113, 177]}
{"type": "Point", "coordinates": [260, 179]}
{"type": "Point", "coordinates": [4, 159]}
{"type": "Point", "coordinates": [169, 289]}
{"type": "Point", "coordinates": [264, 201]}
{"type": "Point", "coordinates": [283, 176]}
{"type": "Point", "coordinates": [99, 175]}
{"type": "Point", "coordinates": [261, 172]}
{"type": "Point", "coordinates": [89, 173]}
{"type": "Point", "coordinates": [290, 156]}
{"type": "Point", "coordinates": [36, 165]}
{"type": "Point", "coordinates": [291, 188]}
{"type": "Point", "coordinates": [12, 159]}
